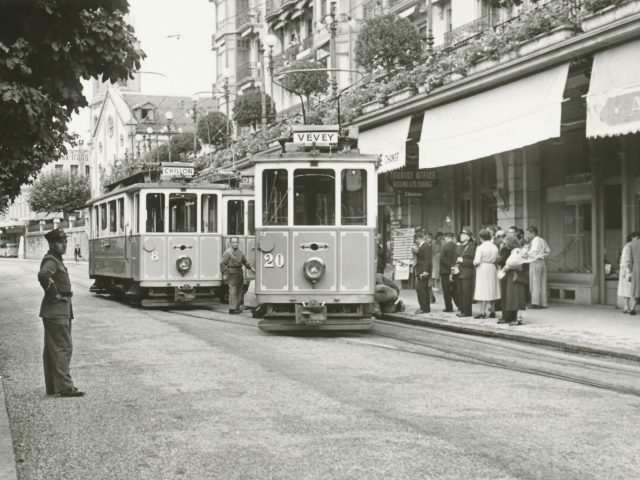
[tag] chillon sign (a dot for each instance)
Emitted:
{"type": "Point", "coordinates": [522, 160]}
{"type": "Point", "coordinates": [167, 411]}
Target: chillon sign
{"type": "Point", "coordinates": [177, 171]}
{"type": "Point", "coordinates": [413, 179]}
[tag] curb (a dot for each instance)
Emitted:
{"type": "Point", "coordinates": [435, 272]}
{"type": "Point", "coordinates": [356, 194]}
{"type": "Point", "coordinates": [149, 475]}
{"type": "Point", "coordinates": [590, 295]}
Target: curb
{"type": "Point", "coordinates": [573, 347]}
{"type": "Point", "coordinates": [7, 457]}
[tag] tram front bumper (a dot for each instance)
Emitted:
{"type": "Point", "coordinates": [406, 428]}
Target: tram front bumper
{"type": "Point", "coordinates": [185, 294]}
{"type": "Point", "coordinates": [312, 313]}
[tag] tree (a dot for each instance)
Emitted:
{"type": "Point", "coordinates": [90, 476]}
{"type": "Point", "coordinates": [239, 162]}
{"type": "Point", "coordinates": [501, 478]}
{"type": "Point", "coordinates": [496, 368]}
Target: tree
{"type": "Point", "coordinates": [181, 146]}
{"type": "Point", "coordinates": [59, 191]}
{"type": "Point", "coordinates": [212, 129]}
{"type": "Point", "coordinates": [46, 47]}
{"type": "Point", "coordinates": [389, 42]}
{"type": "Point", "coordinates": [305, 83]}
{"type": "Point", "coordinates": [247, 111]}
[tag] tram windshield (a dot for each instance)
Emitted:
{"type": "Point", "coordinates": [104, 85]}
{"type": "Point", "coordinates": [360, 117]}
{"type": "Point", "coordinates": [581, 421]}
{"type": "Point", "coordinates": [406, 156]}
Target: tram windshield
{"type": "Point", "coordinates": [314, 191]}
{"type": "Point", "coordinates": [183, 212]}
{"type": "Point", "coordinates": [354, 197]}
{"type": "Point", "coordinates": [209, 213]}
{"type": "Point", "coordinates": [155, 213]}
{"type": "Point", "coordinates": [275, 202]}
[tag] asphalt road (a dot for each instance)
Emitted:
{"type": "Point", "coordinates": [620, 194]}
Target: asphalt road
{"type": "Point", "coordinates": [198, 395]}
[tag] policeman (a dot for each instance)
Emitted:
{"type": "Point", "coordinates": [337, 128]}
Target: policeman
{"type": "Point", "coordinates": [57, 314]}
{"type": "Point", "coordinates": [231, 265]}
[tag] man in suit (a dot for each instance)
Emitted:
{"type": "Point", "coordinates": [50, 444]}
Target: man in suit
{"type": "Point", "coordinates": [447, 260]}
{"type": "Point", "coordinates": [466, 252]}
{"type": "Point", "coordinates": [56, 313]}
{"type": "Point", "coordinates": [423, 271]}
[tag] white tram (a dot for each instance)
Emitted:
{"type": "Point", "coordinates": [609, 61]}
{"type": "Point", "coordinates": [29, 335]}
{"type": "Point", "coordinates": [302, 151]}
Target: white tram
{"type": "Point", "coordinates": [157, 237]}
{"type": "Point", "coordinates": [316, 206]}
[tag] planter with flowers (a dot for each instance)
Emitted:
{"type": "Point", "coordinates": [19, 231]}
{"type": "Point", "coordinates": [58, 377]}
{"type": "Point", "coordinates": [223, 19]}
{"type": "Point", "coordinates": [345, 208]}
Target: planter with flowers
{"type": "Point", "coordinates": [401, 86]}
{"type": "Point", "coordinates": [372, 106]}
{"type": "Point", "coordinates": [612, 12]}
{"type": "Point", "coordinates": [557, 35]}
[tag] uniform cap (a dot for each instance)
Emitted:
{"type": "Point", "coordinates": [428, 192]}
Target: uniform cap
{"type": "Point", "coordinates": [55, 235]}
{"type": "Point", "coordinates": [467, 231]}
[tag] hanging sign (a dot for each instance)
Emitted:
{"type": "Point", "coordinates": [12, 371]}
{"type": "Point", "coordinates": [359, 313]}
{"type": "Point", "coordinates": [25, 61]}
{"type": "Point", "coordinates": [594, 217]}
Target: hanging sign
{"type": "Point", "coordinates": [405, 179]}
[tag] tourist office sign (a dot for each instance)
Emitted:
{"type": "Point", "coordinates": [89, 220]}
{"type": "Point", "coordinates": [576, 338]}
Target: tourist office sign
{"type": "Point", "coordinates": [405, 179]}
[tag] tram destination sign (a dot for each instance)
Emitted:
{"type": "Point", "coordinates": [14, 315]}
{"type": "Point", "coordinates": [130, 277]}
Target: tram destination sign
{"type": "Point", "coordinates": [177, 171]}
{"type": "Point", "coordinates": [320, 139]}
{"type": "Point", "coordinates": [413, 179]}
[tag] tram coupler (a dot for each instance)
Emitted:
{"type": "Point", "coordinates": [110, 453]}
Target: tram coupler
{"type": "Point", "coordinates": [312, 313]}
{"type": "Point", "coordinates": [185, 293]}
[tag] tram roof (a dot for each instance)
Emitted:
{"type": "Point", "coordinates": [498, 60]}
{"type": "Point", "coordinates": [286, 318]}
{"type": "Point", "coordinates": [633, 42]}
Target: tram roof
{"type": "Point", "coordinates": [351, 156]}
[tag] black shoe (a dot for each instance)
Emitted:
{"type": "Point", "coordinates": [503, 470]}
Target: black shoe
{"type": "Point", "coordinates": [481, 315]}
{"type": "Point", "coordinates": [72, 393]}
{"type": "Point", "coordinates": [632, 312]}
{"type": "Point", "coordinates": [492, 315]}
{"type": "Point", "coordinates": [449, 310]}
{"type": "Point", "coordinates": [234, 310]}
{"type": "Point", "coordinates": [502, 320]}
{"type": "Point", "coordinates": [462, 315]}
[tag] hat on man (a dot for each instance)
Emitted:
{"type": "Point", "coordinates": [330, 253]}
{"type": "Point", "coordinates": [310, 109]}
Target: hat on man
{"type": "Point", "coordinates": [55, 235]}
{"type": "Point", "coordinates": [449, 235]}
{"type": "Point", "coordinates": [468, 231]}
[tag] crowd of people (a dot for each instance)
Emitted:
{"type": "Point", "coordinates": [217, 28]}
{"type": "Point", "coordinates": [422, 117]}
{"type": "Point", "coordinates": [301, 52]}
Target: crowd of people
{"type": "Point", "coordinates": [501, 270]}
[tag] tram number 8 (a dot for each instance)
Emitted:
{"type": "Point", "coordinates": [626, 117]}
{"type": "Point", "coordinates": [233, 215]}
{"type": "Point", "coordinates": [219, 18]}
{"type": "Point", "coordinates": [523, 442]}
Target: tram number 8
{"type": "Point", "coordinates": [271, 260]}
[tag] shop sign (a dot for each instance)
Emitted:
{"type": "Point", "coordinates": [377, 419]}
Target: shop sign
{"type": "Point", "coordinates": [247, 180]}
{"type": "Point", "coordinates": [385, 198]}
{"type": "Point", "coordinates": [621, 109]}
{"type": "Point", "coordinates": [413, 179]}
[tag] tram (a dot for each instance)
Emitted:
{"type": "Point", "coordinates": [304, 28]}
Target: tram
{"type": "Point", "coordinates": [157, 237]}
{"type": "Point", "coordinates": [316, 206]}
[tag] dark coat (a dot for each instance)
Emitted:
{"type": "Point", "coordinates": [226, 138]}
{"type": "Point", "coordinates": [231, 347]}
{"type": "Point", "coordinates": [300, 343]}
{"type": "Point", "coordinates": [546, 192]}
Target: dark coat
{"type": "Point", "coordinates": [447, 257]}
{"type": "Point", "coordinates": [424, 260]}
{"type": "Point", "coordinates": [468, 253]}
{"type": "Point", "coordinates": [54, 279]}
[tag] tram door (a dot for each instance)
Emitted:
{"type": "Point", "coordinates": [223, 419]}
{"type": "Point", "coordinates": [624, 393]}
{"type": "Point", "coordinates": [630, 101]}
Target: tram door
{"type": "Point", "coordinates": [239, 219]}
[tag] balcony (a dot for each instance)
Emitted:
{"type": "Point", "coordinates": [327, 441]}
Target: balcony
{"type": "Point", "coordinates": [470, 30]}
{"type": "Point", "coordinates": [246, 72]}
{"type": "Point", "coordinates": [246, 18]}
{"type": "Point", "coordinates": [272, 9]}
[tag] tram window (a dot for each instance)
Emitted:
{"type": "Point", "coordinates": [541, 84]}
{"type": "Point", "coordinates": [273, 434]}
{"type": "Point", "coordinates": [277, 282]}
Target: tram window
{"type": "Point", "coordinates": [95, 222]}
{"type": "Point", "coordinates": [103, 217]}
{"type": "Point", "coordinates": [136, 206]}
{"type": "Point", "coordinates": [275, 202]}
{"type": "Point", "coordinates": [235, 217]}
{"type": "Point", "coordinates": [113, 226]}
{"type": "Point", "coordinates": [251, 227]}
{"type": "Point", "coordinates": [183, 212]}
{"type": "Point", "coordinates": [155, 212]}
{"type": "Point", "coordinates": [121, 214]}
{"type": "Point", "coordinates": [354, 197]}
{"type": "Point", "coordinates": [209, 213]}
{"type": "Point", "coordinates": [315, 193]}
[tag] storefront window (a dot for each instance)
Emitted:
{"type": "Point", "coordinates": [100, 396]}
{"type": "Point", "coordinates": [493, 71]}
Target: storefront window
{"type": "Point", "coordinates": [354, 197]}
{"type": "Point", "coordinates": [209, 213]}
{"type": "Point", "coordinates": [570, 237]}
{"type": "Point", "coordinates": [235, 217]}
{"type": "Point", "coordinates": [183, 212]}
{"type": "Point", "coordinates": [314, 191]}
{"type": "Point", "coordinates": [275, 197]}
{"type": "Point", "coordinates": [155, 212]}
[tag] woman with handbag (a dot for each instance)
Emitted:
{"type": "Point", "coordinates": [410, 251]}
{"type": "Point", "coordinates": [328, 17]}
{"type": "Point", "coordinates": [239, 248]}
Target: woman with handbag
{"type": "Point", "coordinates": [515, 274]}
{"type": "Point", "coordinates": [487, 289]}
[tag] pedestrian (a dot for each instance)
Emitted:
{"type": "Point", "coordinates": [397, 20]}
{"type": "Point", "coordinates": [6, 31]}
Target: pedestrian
{"type": "Point", "coordinates": [624, 280]}
{"type": "Point", "coordinates": [57, 315]}
{"type": "Point", "coordinates": [386, 295]}
{"type": "Point", "coordinates": [634, 249]}
{"type": "Point", "coordinates": [487, 288]}
{"type": "Point", "coordinates": [465, 255]}
{"type": "Point", "coordinates": [232, 262]}
{"type": "Point", "coordinates": [381, 260]}
{"type": "Point", "coordinates": [447, 260]}
{"type": "Point", "coordinates": [538, 250]}
{"type": "Point", "coordinates": [76, 253]}
{"type": "Point", "coordinates": [436, 248]}
{"type": "Point", "coordinates": [514, 283]}
{"type": "Point", "coordinates": [423, 271]}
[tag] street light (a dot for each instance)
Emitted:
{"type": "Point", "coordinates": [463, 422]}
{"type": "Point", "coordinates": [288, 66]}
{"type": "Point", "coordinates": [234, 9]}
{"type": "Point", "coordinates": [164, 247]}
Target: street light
{"type": "Point", "coordinates": [271, 40]}
{"type": "Point", "coordinates": [226, 94]}
{"type": "Point", "coordinates": [331, 23]}
{"type": "Point", "coordinates": [150, 132]}
{"type": "Point", "coordinates": [193, 113]}
{"type": "Point", "coordinates": [138, 140]}
{"type": "Point", "coordinates": [430, 39]}
{"type": "Point", "coordinates": [169, 117]}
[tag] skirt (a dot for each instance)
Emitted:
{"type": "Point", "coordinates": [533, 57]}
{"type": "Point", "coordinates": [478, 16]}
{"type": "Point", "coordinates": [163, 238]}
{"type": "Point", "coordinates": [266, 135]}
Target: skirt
{"type": "Point", "coordinates": [487, 283]}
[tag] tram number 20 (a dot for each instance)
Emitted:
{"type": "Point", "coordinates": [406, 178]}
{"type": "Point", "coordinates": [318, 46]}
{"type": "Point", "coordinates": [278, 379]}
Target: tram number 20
{"type": "Point", "coordinates": [271, 260]}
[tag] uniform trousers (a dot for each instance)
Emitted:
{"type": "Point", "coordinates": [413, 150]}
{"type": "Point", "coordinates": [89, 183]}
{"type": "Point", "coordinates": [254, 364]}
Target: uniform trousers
{"type": "Point", "coordinates": [56, 355]}
{"type": "Point", "coordinates": [423, 289]}
{"type": "Point", "coordinates": [236, 290]}
{"type": "Point", "coordinates": [465, 294]}
{"type": "Point", "coordinates": [447, 291]}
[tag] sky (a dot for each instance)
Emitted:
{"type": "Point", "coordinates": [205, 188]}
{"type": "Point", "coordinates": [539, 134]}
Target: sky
{"type": "Point", "coordinates": [176, 36]}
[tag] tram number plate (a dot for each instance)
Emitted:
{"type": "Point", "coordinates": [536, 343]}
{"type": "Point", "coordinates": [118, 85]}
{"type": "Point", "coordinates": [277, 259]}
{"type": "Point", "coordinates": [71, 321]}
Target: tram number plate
{"type": "Point", "coordinates": [271, 260]}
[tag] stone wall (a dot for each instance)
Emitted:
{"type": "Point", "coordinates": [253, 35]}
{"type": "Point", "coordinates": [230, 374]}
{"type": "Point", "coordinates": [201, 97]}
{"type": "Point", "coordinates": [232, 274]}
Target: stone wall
{"type": "Point", "coordinates": [36, 245]}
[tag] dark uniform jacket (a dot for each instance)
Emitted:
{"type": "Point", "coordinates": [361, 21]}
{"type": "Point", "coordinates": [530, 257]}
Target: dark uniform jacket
{"type": "Point", "coordinates": [424, 260]}
{"type": "Point", "coordinates": [468, 253]}
{"type": "Point", "coordinates": [54, 279]}
{"type": "Point", "coordinates": [447, 257]}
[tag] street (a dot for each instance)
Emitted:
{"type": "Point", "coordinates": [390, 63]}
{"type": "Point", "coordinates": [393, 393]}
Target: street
{"type": "Point", "coordinates": [199, 394]}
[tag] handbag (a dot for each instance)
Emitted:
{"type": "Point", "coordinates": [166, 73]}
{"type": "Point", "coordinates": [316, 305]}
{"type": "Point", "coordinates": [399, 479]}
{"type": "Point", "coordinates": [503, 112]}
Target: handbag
{"type": "Point", "coordinates": [455, 270]}
{"type": "Point", "coordinates": [520, 278]}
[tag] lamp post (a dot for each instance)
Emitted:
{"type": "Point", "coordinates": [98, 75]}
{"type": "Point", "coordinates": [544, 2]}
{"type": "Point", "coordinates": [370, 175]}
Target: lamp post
{"type": "Point", "coordinates": [331, 23]}
{"type": "Point", "coordinates": [430, 39]}
{"type": "Point", "coordinates": [225, 91]}
{"type": "Point", "coordinates": [169, 117]}
{"type": "Point", "coordinates": [271, 42]}
{"type": "Point", "coordinates": [150, 132]}
{"type": "Point", "coordinates": [193, 113]}
{"type": "Point", "coordinates": [138, 140]}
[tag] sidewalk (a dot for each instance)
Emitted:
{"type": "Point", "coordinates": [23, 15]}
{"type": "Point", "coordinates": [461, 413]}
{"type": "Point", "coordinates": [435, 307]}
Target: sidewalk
{"type": "Point", "coordinates": [595, 329]}
{"type": "Point", "coordinates": [7, 460]}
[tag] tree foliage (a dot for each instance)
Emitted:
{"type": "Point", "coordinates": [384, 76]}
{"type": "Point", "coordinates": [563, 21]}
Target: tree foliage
{"type": "Point", "coordinates": [212, 129]}
{"type": "Point", "coordinates": [247, 111]}
{"type": "Point", "coordinates": [59, 191]}
{"type": "Point", "coordinates": [305, 83]}
{"type": "Point", "coordinates": [46, 47]}
{"type": "Point", "coordinates": [387, 42]}
{"type": "Point", "coordinates": [181, 146]}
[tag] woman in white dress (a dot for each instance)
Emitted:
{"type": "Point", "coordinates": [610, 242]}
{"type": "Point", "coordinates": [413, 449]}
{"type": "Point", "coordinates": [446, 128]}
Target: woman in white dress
{"type": "Point", "coordinates": [624, 282]}
{"type": "Point", "coordinates": [487, 284]}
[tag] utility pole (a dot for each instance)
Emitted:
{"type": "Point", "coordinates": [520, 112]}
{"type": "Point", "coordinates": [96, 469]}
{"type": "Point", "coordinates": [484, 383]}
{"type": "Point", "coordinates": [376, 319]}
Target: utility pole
{"type": "Point", "coordinates": [263, 93]}
{"type": "Point", "coordinates": [333, 29]}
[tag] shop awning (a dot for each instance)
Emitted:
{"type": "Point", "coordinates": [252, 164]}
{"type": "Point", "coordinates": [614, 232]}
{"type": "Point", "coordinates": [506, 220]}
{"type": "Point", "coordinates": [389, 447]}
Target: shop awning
{"type": "Point", "coordinates": [505, 118]}
{"type": "Point", "coordinates": [388, 141]}
{"type": "Point", "coordinates": [613, 101]}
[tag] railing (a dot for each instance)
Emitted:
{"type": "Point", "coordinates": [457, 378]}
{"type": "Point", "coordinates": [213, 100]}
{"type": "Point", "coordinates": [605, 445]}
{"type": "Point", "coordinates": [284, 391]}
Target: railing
{"type": "Point", "coordinates": [245, 72]}
{"type": "Point", "coordinates": [469, 30]}
{"type": "Point", "coordinates": [248, 16]}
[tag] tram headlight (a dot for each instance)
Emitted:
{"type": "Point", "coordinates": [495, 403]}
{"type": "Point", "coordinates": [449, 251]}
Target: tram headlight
{"type": "Point", "coordinates": [183, 264]}
{"type": "Point", "coordinates": [313, 269]}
